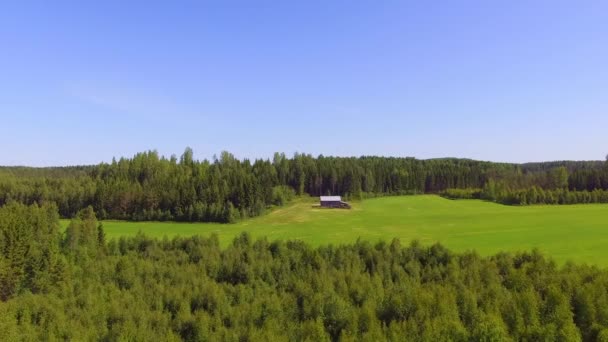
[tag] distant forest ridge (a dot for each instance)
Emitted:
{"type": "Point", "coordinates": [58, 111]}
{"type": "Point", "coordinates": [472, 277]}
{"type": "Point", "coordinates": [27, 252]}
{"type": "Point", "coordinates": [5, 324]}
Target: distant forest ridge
{"type": "Point", "coordinates": [527, 166]}
{"type": "Point", "coordinates": [152, 187]}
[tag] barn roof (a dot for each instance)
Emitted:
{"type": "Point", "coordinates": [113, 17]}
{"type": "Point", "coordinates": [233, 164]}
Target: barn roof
{"type": "Point", "coordinates": [331, 198]}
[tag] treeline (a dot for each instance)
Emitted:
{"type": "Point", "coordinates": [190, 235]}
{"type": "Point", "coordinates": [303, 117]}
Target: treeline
{"type": "Point", "coordinates": [554, 187]}
{"type": "Point", "coordinates": [85, 288]}
{"type": "Point", "coordinates": [530, 196]}
{"type": "Point", "coordinates": [151, 187]}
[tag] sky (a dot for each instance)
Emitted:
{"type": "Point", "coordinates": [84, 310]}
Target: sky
{"type": "Point", "coordinates": [515, 81]}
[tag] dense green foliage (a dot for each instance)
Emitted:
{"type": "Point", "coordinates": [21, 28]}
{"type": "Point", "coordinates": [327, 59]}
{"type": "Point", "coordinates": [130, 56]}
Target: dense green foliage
{"type": "Point", "coordinates": [191, 289]}
{"type": "Point", "coordinates": [150, 187]}
{"type": "Point", "coordinates": [551, 187]}
{"type": "Point", "coordinates": [29, 249]}
{"type": "Point", "coordinates": [462, 193]}
{"type": "Point", "coordinates": [533, 195]}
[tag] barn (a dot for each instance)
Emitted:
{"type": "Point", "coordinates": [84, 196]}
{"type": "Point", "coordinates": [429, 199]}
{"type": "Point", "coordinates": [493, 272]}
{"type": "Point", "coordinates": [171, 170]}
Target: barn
{"type": "Point", "coordinates": [333, 202]}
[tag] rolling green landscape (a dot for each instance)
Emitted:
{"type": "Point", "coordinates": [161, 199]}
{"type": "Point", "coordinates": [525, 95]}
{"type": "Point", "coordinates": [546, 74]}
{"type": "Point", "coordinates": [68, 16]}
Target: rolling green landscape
{"type": "Point", "coordinates": [306, 171]}
{"type": "Point", "coordinates": [234, 250]}
{"type": "Point", "coordinates": [575, 232]}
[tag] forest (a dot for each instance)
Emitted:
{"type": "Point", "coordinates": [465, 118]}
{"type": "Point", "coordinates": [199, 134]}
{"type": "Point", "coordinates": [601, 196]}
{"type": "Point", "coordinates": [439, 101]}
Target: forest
{"type": "Point", "coordinates": [190, 289]}
{"type": "Point", "coordinates": [226, 189]}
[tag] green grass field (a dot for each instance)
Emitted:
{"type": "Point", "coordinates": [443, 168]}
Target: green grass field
{"type": "Point", "coordinates": [577, 232]}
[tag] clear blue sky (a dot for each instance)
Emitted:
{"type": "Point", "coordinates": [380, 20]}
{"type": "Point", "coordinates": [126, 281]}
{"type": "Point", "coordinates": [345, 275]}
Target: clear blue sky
{"type": "Point", "coordinates": [494, 80]}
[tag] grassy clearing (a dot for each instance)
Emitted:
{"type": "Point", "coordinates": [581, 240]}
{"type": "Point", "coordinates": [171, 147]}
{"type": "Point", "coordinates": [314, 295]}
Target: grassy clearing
{"type": "Point", "coordinates": [577, 232]}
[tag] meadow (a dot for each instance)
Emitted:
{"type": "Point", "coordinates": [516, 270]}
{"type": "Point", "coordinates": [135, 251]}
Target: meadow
{"type": "Point", "coordinates": [575, 232]}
